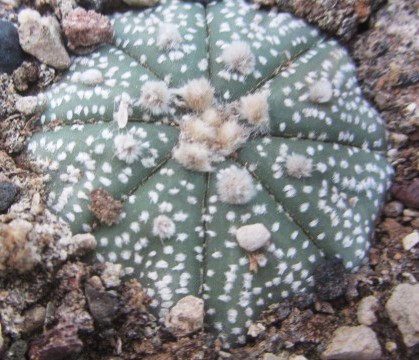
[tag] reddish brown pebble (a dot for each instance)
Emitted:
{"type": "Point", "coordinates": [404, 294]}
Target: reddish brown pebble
{"type": "Point", "coordinates": [104, 207]}
{"type": "Point", "coordinates": [86, 28]}
{"type": "Point", "coordinates": [407, 192]}
{"type": "Point", "coordinates": [57, 344]}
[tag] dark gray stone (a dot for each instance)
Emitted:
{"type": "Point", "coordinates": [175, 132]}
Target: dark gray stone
{"type": "Point", "coordinates": [330, 279]}
{"type": "Point", "coordinates": [8, 192]}
{"type": "Point", "coordinates": [12, 55]}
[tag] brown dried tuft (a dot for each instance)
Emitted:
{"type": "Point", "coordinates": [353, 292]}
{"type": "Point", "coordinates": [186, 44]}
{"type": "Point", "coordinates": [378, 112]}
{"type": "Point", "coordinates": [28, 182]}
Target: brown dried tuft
{"type": "Point", "coordinates": [104, 207]}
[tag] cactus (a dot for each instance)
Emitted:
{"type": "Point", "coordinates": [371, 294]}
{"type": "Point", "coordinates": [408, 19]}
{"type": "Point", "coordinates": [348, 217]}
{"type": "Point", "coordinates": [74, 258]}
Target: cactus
{"type": "Point", "coordinates": [240, 147]}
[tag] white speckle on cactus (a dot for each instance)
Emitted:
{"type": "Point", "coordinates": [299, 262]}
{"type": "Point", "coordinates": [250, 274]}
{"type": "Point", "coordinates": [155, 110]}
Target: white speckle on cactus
{"type": "Point", "coordinates": [127, 148]}
{"type": "Point", "coordinates": [253, 237]}
{"type": "Point", "coordinates": [235, 185]}
{"type": "Point", "coordinates": [197, 95]}
{"type": "Point", "coordinates": [254, 108]}
{"type": "Point", "coordinates": [321, 91]}
{"type": "Point", "coordinates": [163, 227]}
{"type": "Point", "coordinates": [194, 156]}
{"type": "Point", "coordinates": [299, 166]}
{"type": "Point", "coordinates": [155, 97]}
{"type": "Point", "coordinates": [169, 37]}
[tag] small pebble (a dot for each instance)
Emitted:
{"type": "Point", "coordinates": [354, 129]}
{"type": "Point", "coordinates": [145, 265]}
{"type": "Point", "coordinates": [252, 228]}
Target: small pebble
{"type": "Point", "coordinates": [141, 3]}
{"type": "Point", "coordinates": [255, 330]}
{"type": "Point", "coordinates": [270, 356]}
{"type": "Point", "coordinates": [393, 209]}
{"type": "Point", "coordinates": [411, 213]}
{"type": "Point", "coordinates": [25, 75]}
{"type": "Point", "coordinates": [390, 346]}
{"type": "Point", "coordinates": [402, 308]}
{"type": "Point", "coordinates": [353, 343]}
{"type": "Point", "coordinates": [407, 192]}
{"type": "Point", "coordinates": [86, 28]}
{"type": "Point", "coordinates": [398, 139]}
{"type": "Point", "coordinates": [330, 279]}
{"type": "Point", "coordinates": [366, 310]}
{"type": "Point", "coordinates": [40, 37]}
{"type": "Point", "coordinates": [34, 319]}
{"type": "Point", "coordinates": [8, 192]}
{"type": "Point", "coordinates": [252, 237]}
{"type": "Point", "coordinates": [186, 317]}
{"type": "Point", "coordinates": [111, 275]}
{"type": "Point", "coordinates": [103, 305]}
{"type": "Point", "coordinates": [12, 55]}
{"type": "Point", "coordinates": [29, 105]}
{"type": "Point", "coordinates": [411, 240]}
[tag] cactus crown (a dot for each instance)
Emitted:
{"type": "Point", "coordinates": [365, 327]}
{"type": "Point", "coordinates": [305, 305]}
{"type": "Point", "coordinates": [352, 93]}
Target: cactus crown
{"type": "Point", "coordinates": [238, 145]}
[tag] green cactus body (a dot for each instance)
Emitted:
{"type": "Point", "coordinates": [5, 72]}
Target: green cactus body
{"type": "Point", "coordinates": [312, 178]}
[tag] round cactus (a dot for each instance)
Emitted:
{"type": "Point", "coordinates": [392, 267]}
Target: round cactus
{"type": "Point", "coordinates": [237, 145]}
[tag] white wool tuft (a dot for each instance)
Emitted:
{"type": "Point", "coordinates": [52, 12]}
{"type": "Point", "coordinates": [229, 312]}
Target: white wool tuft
{"type": "Point", "coordinates": [230, 135]}
{"type": "Point", "coordinates": [238, 56]}
{"type": "Point", "coordinates": [169, 37]}
{"type": "Point", "coordinates": [252, 237]}
{"type": "Point", "coordinates": [197, 94]}
{"type": "Point", "coordinates": [163, 227]}
{"type": "Point", "coordinates": [211, 117]}
{"type": "Point", "coordinates": [235, 185]}
{"type": "Point", "coordinates": [321, 91]}
{"type": "Point", "coordinates": [155, 97]}
{"type": "Point", "coordinates": [127, 148]}
{"type": "Point", "coordinates": [299, 166]}
{"type": "Point", "coordinates": [194, 156]}
{"type": "Point", "coordinates": [254, 108]}
{"type": "Point", "coordinates": [197, 130]}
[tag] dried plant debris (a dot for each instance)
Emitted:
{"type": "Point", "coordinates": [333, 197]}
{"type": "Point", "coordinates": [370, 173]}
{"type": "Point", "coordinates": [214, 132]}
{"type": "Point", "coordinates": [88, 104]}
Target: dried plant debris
{"type": "Point", "coordinates": [199, 143]}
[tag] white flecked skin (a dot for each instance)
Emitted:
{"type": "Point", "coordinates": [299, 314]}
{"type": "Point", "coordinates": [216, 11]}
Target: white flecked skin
{"type": "Point", "coordinates": [329, 208]}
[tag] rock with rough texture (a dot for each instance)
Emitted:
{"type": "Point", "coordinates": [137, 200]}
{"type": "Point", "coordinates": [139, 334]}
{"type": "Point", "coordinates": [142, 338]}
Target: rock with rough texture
{"type": "Point", "coordinates": [407, 192]}
{"type": "Point", "coordinates": [11, 53]}
{"type": "Point", "coordinates": [141, 3]}
{"type": "Point", "coordinates": [403, 310]}
{"type": "Point", "coordinates": [340, 18]}
{"type": "Point", "coordinates": [330, 279]}
{"type": "Point", "coordinates": [100, 5]}
{"type": "Point", "coordinates": [78, 245]}
{"type": "Point", "coordinates": [111, 275]}
{"type": "Point", "coordinates": [186, 316]}
{"type": "Point", "coordinates": [366, 310]}
{"type": "Point", "coordinates": [410, 240]}
{"type": "Point", "coordinates": [86, 28]}
{"type": "Point", "coordinates": [29, 105]}
{"type": "Point", "coordinates": [40, 37]}
{"type": "Point", "coordinates": [393, 208]}
{"type": "Point", "coordinates": [57, 344]}
{"type": "Point", "coordinates": [8, 192]}
{"type": "Point", "coordinates": [103, 305]}
{"type": "Point", "coordinates": [17, 254]}
{"type": "Point", "coordinates": [353, 343]}
{"type": "Point", "coordinates": [25, 75]}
